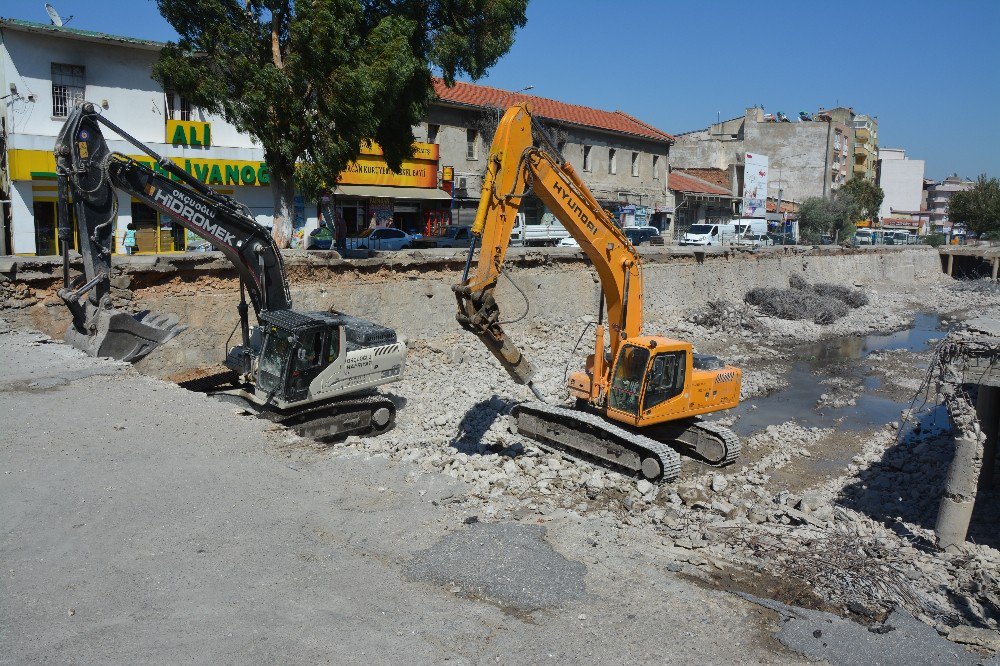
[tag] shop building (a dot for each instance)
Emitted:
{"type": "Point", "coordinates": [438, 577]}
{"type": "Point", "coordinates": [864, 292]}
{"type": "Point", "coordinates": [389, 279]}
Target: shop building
{"type": "Point", "coordinates": [409, 199]}
{"type": "Point", "coordinates": [623, 160]}
{"type": "Point", "coordinates": [46, 70]}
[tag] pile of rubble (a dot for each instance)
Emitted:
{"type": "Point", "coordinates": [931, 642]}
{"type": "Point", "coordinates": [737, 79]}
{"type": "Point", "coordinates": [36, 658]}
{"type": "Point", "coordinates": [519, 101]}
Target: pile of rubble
{"type": "Point", "coordinates": [821, 303]}
{"type": "Point", "coordinates": [828, 537]}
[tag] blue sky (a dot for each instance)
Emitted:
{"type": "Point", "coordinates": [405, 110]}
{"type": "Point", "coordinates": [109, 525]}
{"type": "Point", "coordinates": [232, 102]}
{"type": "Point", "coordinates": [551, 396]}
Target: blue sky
{"type": "Point", "coordinates": [929, 70]}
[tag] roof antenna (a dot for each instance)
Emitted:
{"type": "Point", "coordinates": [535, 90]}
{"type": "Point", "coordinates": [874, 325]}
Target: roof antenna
{"type": "Point", "coordinates": [54, 16]}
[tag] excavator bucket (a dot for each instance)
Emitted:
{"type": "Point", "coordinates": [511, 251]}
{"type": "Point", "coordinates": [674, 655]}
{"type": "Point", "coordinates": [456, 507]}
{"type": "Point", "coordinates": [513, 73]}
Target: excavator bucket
{"type": "Point", "coordinates": [119, 335]}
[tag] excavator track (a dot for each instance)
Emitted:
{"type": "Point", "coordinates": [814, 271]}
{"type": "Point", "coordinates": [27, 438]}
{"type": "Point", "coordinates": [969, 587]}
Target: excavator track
{"type": "Point", "coordinates": [588, 435]}
{"type": "Point", "coordinates": [370, 414]}
{"type": "Point", "coordinates": [708, 442]}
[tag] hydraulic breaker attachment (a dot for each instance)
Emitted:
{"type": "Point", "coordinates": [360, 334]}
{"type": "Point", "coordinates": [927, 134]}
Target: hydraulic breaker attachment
{"type": "Point", "coordinates": [478, 313]}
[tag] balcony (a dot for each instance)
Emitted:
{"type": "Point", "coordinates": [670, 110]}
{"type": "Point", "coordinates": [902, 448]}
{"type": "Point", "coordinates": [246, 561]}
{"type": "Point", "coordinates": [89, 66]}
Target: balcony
{"type": "Point", "coordinates": [862, 134]}
{"type": "Point", "coordinates": [862, 149]}
{"type": "Point", "coordinates": [860, 167]}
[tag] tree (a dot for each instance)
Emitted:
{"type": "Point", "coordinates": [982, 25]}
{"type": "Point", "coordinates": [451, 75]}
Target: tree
{"type": "Point", "coordinates": [834, 215]}
{"type": "Point", "coordinates": [978, 208]}
{"type": "Point", "coordinates": [867, 197]}
{"type": "Point", "coordinates": [313, 80]}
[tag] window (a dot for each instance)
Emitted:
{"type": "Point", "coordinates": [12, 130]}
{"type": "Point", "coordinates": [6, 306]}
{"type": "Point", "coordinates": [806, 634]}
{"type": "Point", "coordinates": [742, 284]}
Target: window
{"type": "Point", "coordinates": [635, 164]}
{"type": "Point", "coordinates": [178, 108]}
{"type": "Point", "coordinates": [656, 167]}
{"type": "Point", "coordinates": [47, 228]}
{"type": "Point", "coordinates": [68, 87]}
{"type": "Point", "coordinates": [156, 232]}
{"type": "Point", "coordinates": [665, 379]}
{"type": "Point", "coordinates": [432, 133]}
{"type": "Point", "coordinates": [588, 162]}
{"type": "Point", "coordinates": [471, 148]}
{"type": "Point", "coordinates": [612, 161]}
{"type": "Point", "coordinates": [627, 382]}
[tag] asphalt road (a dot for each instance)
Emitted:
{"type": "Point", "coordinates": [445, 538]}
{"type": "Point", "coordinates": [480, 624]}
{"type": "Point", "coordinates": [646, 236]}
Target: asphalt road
{"type": "Point", "coordinates": [142, 522]}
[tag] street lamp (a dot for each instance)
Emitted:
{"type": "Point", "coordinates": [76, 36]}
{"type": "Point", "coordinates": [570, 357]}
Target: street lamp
{"type": "Point", "coordinates": [516, 92]}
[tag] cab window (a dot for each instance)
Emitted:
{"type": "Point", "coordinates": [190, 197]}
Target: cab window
{"type": "Point", "coordinates": [665, 379]}
{"type": "Point", "coordinates": [627, 382]}
{"type": "Point", "coordinates": [310, 351]}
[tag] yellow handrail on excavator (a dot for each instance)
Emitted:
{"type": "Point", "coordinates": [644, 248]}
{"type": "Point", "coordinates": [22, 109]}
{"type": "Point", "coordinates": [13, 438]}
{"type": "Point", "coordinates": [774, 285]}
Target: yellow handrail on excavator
{"type": "Point", "coordinates": [652, 386]}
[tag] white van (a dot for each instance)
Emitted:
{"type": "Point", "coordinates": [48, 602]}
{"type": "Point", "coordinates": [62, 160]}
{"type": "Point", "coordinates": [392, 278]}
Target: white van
{"type": "Point", "coordinates": [750, 226]}
{"type": "Point", "coordinates": [709, 234]}
{"type": "Point", "coordinates": [749, 231]}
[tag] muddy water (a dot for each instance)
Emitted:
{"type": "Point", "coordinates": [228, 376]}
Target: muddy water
{"type": "Point", "coordinates": [845, 361]}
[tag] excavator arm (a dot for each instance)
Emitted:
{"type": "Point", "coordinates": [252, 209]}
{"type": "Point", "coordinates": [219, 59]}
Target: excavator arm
{"type": "Point", "coordinates": [88, 174]}
{"type": "Point", "coordinates": [514, 168]}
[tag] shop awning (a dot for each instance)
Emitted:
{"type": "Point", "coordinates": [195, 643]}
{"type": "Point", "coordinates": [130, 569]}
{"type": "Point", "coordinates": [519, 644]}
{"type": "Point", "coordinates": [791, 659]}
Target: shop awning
{"type": "Point", "coordinates": [386, 192]}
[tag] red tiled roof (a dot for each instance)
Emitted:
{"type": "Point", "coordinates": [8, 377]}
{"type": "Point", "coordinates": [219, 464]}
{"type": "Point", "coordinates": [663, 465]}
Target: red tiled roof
{"type": "Point", "coordinates": [683, 182]}
{"type": "Point", "coordinates": [718, 177]}
{"type": "Point", "coordinates": [471, 94]}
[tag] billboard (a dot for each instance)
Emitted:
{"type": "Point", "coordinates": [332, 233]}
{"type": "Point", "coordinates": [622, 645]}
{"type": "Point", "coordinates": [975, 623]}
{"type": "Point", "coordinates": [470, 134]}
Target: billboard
{"type": "Point", "coordinates": [755, 186]}
{"type": "Point", "coordinates": [371, 169]}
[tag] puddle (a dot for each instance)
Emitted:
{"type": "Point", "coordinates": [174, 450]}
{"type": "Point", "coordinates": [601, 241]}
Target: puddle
{"type": "Point", "coordinates": [843, 359]}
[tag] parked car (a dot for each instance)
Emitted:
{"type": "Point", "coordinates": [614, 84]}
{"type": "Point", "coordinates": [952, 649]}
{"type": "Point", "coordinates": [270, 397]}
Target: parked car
{"type": "Point", "coordinates": [569, 241]}
{"type": "Point", "coordinates": [453, 236]}
{"type": "Point", "coordinates": [383, 238]}
{"type": "Point", "coordinates": [755, 240]}
{"type": "Point", "coordinates": [826, 239]}
{"type": "Point", "coordinates": [643, 235]}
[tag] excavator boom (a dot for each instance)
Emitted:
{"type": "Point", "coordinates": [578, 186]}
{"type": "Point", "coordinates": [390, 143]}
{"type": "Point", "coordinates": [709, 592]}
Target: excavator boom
{"type": "Point", "coordinates": [313, 371]}
{"type": "Point", "coordinates": [89, 173]}
{"type": "Point", "coordinates": [651, 386]}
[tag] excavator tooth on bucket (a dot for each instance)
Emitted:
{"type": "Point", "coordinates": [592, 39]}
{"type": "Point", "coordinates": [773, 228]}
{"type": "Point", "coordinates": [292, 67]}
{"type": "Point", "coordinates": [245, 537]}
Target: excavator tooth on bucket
{"type": "Point", "coordinates": [120, 335]}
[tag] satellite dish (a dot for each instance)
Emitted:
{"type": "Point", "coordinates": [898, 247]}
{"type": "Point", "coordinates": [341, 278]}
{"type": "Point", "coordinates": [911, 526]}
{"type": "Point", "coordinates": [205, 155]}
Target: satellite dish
{"type": "Point", "coordinates": [54, 16]}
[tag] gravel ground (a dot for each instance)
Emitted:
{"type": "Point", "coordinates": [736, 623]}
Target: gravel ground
{"type": "Point", "coordinates": [851, 537]}
{"type": "Point", "coordinates": [767, 514]}
{"type": "Point", "coordinates": [145, 523]}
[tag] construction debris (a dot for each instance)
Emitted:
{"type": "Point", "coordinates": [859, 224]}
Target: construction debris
{"type": "Point", "coordinates": [822, 303]}
{"type": "Point", "coordinates": [725, 315]}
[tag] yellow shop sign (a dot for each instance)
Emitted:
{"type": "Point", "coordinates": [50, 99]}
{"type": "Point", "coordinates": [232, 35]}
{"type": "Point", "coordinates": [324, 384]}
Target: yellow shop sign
{"type": "Point", "coordinates": [41, 165]}
{"type": "Point", "coordinates": [371, 169]}
{"type": "Point", "coordinates": [189, 133]}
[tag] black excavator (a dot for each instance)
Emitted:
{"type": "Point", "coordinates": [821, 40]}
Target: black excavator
{"type": "Point", "coordinates": [314, 371]}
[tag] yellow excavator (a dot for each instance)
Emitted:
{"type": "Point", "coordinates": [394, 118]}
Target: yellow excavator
{"type": "Point", "coordinates": [639, 399]}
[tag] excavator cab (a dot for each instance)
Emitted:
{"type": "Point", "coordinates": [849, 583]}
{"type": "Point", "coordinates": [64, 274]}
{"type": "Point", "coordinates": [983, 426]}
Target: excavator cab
{"type": "Point", "coordinates": [294, 349]}
{"type": "Point", "coordinates": [645, 377]}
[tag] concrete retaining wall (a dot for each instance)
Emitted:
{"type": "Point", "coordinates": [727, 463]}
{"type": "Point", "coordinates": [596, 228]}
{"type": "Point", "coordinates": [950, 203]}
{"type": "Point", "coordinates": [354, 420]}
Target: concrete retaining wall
{"type": "Point", "coordinates": [412, 291]}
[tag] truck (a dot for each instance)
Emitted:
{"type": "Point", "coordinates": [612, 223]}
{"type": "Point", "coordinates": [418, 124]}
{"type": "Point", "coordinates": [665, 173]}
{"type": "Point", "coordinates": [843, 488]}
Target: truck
{"type": "Point", "coordinates": [548, 233]}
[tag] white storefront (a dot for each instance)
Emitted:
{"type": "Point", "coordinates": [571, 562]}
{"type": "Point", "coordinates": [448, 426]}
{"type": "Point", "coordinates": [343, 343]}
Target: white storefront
{"type": "Point", "coordinates": [46, 70]}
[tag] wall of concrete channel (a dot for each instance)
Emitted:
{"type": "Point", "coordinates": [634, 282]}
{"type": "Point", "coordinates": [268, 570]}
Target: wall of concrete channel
{"type": "Point", "coordinates": [411, 291]}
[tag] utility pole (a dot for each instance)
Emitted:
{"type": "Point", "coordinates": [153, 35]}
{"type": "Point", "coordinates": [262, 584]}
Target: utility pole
{"type": "Point", "coordinates": [777, 209]}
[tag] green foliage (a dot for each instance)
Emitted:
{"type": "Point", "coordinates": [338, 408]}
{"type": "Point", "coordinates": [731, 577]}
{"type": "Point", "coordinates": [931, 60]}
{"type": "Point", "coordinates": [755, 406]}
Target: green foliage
{"type": "Point", "coordinates": [867, 197]}
{"type": "Point", "coordinates": [314, 79]}
{"type": "Point", "coordinates": [934, 240]}
{"type": "Point", "coordinates": [978, 208]}
{"type": "Point", "coordinates": [835, 215]}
